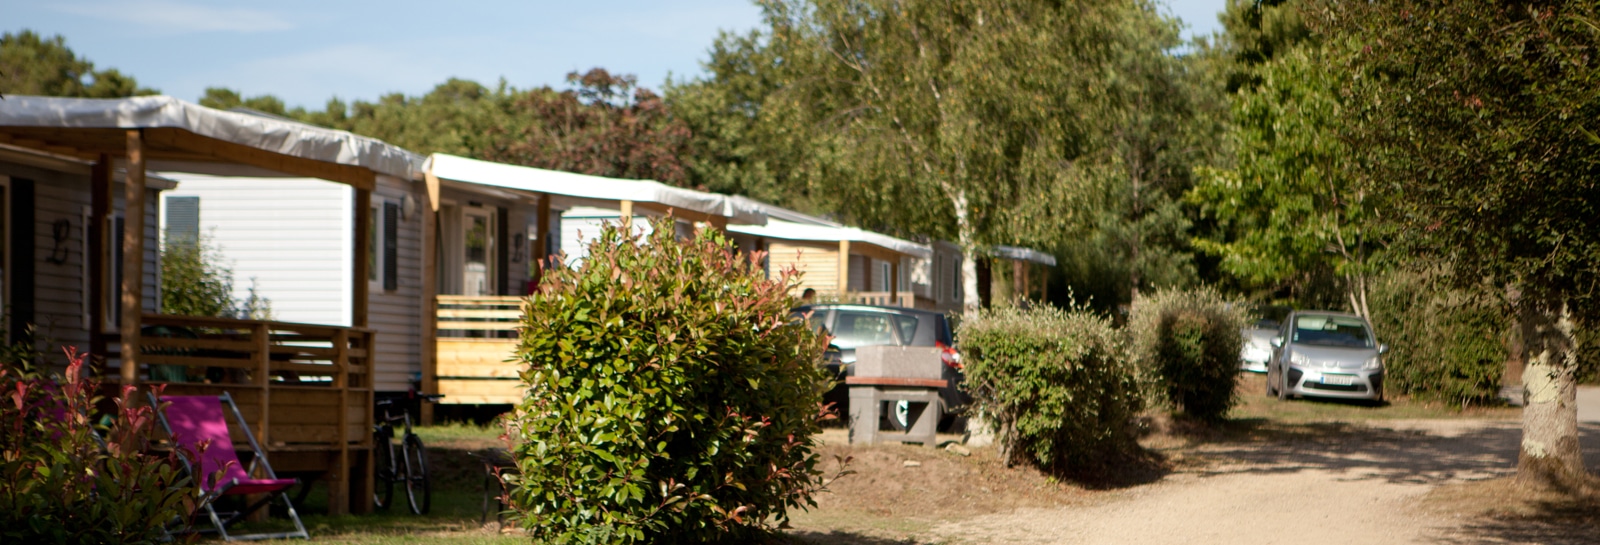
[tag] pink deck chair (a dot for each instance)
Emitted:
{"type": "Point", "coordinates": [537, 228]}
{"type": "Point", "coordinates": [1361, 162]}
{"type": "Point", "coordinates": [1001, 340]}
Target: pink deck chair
{"type": "Point", "coordinates": [193, 420]}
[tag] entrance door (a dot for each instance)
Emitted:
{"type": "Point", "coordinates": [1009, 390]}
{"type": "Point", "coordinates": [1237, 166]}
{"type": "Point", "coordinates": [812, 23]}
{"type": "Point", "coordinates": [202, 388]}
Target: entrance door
{"type": "Point", "coordinates": [478, 274]}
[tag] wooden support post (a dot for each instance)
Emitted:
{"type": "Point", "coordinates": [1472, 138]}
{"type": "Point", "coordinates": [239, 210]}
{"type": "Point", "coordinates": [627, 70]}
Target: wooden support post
{"type": "Point", "coordinates": [363, 496]}
{"type": "Point", "coordinates": [627, 213]}
{"type": "Point", "coordinates": [339, 486]}
{"type": "Point", "coordinates": [1019, 280]}
{"type": "Point", "coordinates": [867, 283]}
{"type": "Point", "coordinates": [133, 258]}
{"type": "Point", "coordinates": [363, 246]}
{"type": "Point", "coordinates": [844, 270]}
{"type": "Point", "coordinates": [542, 237]}
{"type": "Point", "coordinates": [95, 231]}
{"type": "Point", "coordinates": [894, 283]}
{"type": "Point", "coordinates": [430, 306]}
{"type": "Point", "coordinates": [358, 318]}
{"type": "Point", "coordinates": [261, 357]}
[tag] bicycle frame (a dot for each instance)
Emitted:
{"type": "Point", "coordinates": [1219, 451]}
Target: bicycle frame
{"type": "Point", "coordinates": [413, 472]}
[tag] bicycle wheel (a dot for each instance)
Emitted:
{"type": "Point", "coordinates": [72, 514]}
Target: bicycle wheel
{"type": "Point", "coordinates": [417, 488]}
{"type": "Point", "coordinates": [383, 470]}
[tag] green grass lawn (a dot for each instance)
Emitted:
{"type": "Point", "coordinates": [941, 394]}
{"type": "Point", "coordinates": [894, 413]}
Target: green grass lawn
{"type": "Point", "coordinates": [457, 481]}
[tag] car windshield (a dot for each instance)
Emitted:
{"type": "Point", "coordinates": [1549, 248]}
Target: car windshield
{"type": "Point", "coordinates": [1345, 331]}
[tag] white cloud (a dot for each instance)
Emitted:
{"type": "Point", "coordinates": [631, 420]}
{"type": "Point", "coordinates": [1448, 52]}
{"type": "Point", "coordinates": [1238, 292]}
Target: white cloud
{"type": "Point", "coordinates": [178, 17]}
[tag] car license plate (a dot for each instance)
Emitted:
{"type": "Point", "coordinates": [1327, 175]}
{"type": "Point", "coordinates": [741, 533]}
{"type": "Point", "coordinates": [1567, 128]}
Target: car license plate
{"type": "Point", "coordinates": [1341, 380]}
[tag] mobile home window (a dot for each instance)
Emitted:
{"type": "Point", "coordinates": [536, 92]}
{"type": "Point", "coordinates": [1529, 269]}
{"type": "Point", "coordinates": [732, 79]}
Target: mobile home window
{"type": "Point", "coordinates": [383, 263]}
{"type": "Point", "coordinates": [183, 219]}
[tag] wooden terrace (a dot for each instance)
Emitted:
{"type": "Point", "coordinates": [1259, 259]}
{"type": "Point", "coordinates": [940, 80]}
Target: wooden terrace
{"type": "Point", "coordinates": [306, 389]}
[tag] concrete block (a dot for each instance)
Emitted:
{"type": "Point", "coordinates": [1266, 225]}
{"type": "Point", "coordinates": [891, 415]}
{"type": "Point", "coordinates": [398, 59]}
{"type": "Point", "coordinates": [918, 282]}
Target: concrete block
{"type": "Point", "coordinates": [899, 362]}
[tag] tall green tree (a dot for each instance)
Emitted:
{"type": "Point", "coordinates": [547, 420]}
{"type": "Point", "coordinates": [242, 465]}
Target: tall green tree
{"type": "Point", "coordinates": [454, 117]}
{"type": "Point", "coordinates": [606, 125]}
{"type": "Point", "coordinates": [983, 121]}
{"type": "Point", "coordinates": [1164, 124]}
{"type": "Point", "coordinates": [1291, 211]}
{"type": "Point", "coordinates": [34, 65]}
{"type": "Point", "coordinates": [1257, 31]}
{"type": "Point", "coordinates": [1484, 113]}
{"type": "Point", "coordinates": [751, 133]}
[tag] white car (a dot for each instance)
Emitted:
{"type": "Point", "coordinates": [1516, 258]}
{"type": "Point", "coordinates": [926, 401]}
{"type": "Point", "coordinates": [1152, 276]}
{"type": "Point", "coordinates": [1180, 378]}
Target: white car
{"type": "Point", "coordinates": [1326, 354]}
{"type": "Point", "coordinates": [1257, 346]}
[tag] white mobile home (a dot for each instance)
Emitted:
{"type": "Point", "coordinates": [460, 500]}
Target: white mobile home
{"type": "Point", "coordinates": [291, 241]}
{"type": "Point", "coordinates": [306, 388]}
{"type": "Point", "coordinates": [497, 224]}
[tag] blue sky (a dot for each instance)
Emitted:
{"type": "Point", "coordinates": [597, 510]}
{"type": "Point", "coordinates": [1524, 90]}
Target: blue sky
{"type": "Point", "coordinates": [306, 51]}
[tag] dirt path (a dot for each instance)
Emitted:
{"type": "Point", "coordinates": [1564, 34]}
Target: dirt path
{"type": "Point", "coordinates": [1341, 484]}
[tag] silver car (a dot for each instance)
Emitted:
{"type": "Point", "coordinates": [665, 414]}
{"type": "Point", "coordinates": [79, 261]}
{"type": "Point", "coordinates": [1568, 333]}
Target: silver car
{"type": "Point", "coordinates": [1257, 347]}
{"type": "Point", "coordinates": [1326, 354]}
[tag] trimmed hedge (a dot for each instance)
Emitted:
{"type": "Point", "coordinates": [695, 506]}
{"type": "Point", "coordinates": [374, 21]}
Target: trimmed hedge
{"type": "Point", "coordinates": [1187, 344]}
{"type": "Point", "coordinates": [1055, 385]}
{"type": "Point", "coordinates": [1445, 344]}
{"type": "Point", "coordinates": [670, 396]}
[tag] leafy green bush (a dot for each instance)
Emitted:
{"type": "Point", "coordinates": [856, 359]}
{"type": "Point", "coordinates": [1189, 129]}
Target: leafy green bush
{"type": "Point", "coordinates": [1056, 385]}
{"type": "Point", "coordinates": [1588, 357]}
{"type": "Point", "coordinates": [196, 281]}
{"type": "Point", "coordinates": [1446, 344]}
{"type": "Point", "coordinates": [670, 396]}
{"type": "Point", "coordinates": [59, 483]}
{"type": "Point", "coordinates": [1187, 344]}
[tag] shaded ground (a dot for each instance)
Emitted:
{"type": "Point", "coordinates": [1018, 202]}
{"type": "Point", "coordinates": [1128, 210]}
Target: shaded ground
{"type": "Point", "coordinates": [1301, 479]}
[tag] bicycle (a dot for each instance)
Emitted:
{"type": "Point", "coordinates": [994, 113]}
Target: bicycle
{"type": "Point", "coordinates": [387, 470]}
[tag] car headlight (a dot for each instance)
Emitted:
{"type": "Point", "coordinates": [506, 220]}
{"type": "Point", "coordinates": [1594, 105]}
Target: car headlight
{"type": "Point", "coordinates": [1372, 363]}
{"type": "Point", "coordinates": [1299, 359]}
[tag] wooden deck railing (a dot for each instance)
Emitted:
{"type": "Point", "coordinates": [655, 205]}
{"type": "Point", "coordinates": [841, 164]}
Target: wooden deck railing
{"type": "Point", "coordinates": [305, 389]}
{"type": "Point", "coordinates": [893, 299]}
{"type": "Point", "coordinates": [477, 340]}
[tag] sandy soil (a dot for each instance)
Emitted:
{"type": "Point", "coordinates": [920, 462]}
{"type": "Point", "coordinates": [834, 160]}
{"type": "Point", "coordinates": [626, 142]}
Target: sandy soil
{"type": "Point", "coordinates": [1358, 484]}
{"type": "Point", "coordinates": [1333, 483]}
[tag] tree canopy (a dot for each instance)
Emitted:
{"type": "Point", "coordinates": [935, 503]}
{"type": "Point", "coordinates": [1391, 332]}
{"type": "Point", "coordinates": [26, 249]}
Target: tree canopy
{"type": "Point", "coordinates": [986, 121]}
{"type": "Point", "coordinates": [34, 65]}
{"type": "Point", "coordinates": [1481, 117]}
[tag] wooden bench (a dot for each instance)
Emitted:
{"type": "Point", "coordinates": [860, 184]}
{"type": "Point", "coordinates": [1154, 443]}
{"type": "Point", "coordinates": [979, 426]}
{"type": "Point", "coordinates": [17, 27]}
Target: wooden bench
{"type": "Point", "coordinates": [867, 395]}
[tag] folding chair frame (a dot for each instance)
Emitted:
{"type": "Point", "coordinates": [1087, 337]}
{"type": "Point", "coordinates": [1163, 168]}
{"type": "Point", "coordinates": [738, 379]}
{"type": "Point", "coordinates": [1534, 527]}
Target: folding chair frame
{"type": "Point", "coordinates": [259, 461]}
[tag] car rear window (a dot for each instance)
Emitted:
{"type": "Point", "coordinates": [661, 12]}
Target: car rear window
{"type": "Point", "coordinates": [908, 327]}
{"type": "Point", "coordinates": [865, 329]}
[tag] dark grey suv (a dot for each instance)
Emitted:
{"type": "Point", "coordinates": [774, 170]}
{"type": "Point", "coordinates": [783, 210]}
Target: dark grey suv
{"type": "Point", "coordinates": [854, 326]}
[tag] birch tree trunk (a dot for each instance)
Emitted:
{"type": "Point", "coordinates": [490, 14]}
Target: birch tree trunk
{"type": "Point", "coordinates": [1549, 454]}
{"type": "Point", "coordinates": [971, 300]}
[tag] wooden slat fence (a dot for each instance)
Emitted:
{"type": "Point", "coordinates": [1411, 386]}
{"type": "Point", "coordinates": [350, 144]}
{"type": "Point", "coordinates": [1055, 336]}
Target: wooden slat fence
{"type": "Point", "coordinates": [477, 340]}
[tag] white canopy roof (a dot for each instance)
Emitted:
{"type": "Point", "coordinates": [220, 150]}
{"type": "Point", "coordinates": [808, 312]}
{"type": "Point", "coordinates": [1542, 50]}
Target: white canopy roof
{"type": "Point", "coordinates": [788, 230]}
{"type": "Point", "coordinates": [1024, 254]}
{"type": "Point", "coordinates": [772, 211]}
{"type": "Point", "coordinates": [265, 133]}
{"type": "Point", "coordinates": [587, 187]}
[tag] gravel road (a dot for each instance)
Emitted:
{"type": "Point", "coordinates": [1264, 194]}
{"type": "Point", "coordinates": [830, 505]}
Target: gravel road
{"type": "Point", "coordinates": [1355, 484]}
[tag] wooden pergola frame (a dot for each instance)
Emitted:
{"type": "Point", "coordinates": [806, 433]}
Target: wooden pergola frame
{"type": "Point", "coordinates": [138, 147]}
